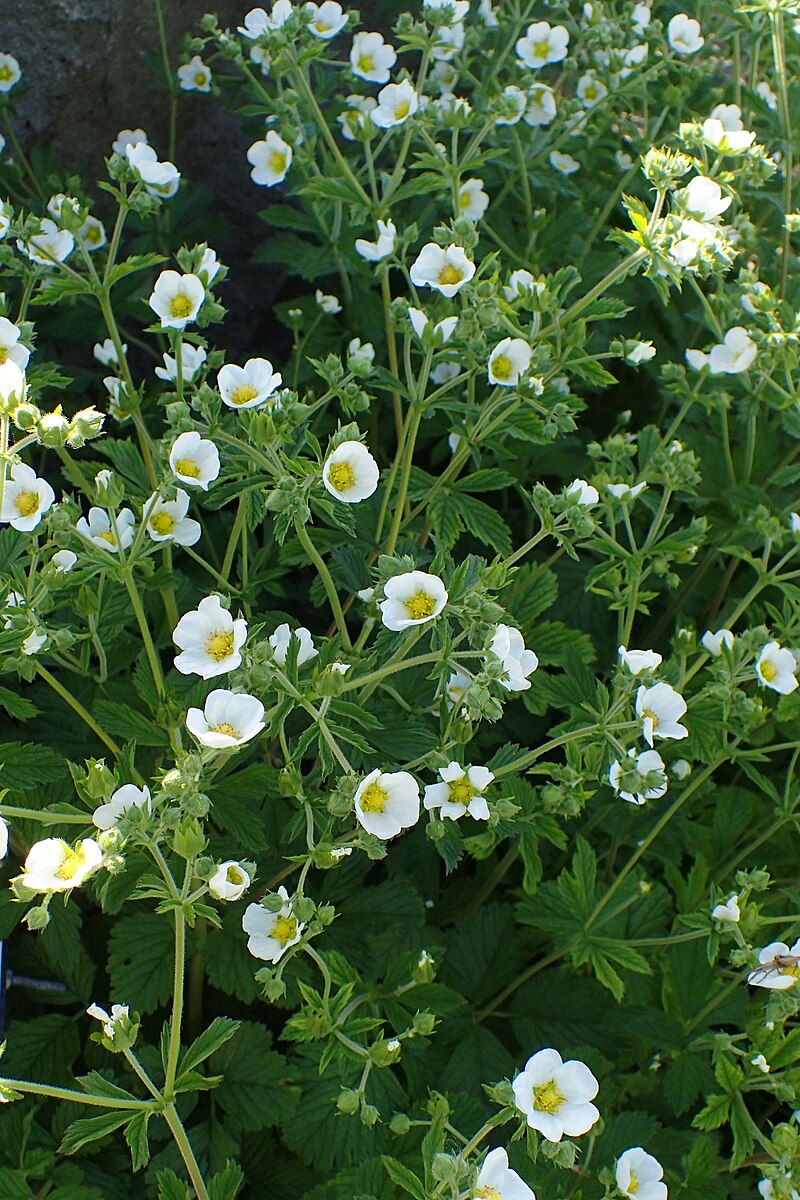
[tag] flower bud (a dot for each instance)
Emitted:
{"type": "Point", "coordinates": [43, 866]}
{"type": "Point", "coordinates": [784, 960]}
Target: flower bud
{"type": "Point", "coordinates": [26, 417]}
{"type": "Point", "coordinates": [85, 425]}
{"type": "Point", "coordinates": [53, 429]}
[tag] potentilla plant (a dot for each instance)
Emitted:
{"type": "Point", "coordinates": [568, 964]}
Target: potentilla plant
{"type": "Point", "coordinates": [400, 769]}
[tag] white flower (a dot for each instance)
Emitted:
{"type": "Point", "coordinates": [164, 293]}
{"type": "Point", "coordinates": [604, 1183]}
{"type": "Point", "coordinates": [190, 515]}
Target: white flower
{"type": "Point", "coordinates": [209, 639]}
{"type": "Point", "coordinates": [387, 802]}
{"type": "Point", "coordinates": [167, 520]}
{"type": "Point", "coordinates": [159, 178]}
{"type": "Point", "coordinates": [256, 23]}
{"type": "Point", "coordinates": [521, 283]}
{"type": "Point", "coordinates": [92, 234]}
{"type": "Point", "coordinates": [270, 160]}
{"type": "Point", "coordinates": [642, 780]}
{"type": "Point", "coordinates": [766, 93]}
{"type": "Point", "coordinates": [123, 800]}
{"type": "Point", "coordinates": [100, 529]}
{"type": "Point", "coordinates": [371, 58]}
{"type": "Point", "coordinates": [360, 354]}
{"type": "Point", "coordinates": [10, 72]}
{"type": "Point", "coordinates": [761, 1062]}
{"type": "Point", "coordinates": [228, 719]}
{"type": "Point", "coordinates": [248, 386]}
{"type": "Point", "coordinates": [713, 642]}
{"type": "Point", "coordinates": [327, 19]}
{"type": "Point", "coordinates": [6, 213]}
{"type": "Point", "coordinates": [128, 137]}
{"type": "Point", "coordinates": [119, 1013]}
{"type": "Point", "coordinates": [565, 164]}
{"type": "Point", "coordinates": [53, 865]}
{"type": "Point", "coordinates": [383, 247]}
{"type": "Point", "coordinates": [328, 304]}
{"type": "Point", "coordinates": [446, 269]}
{"type": "Point", "coordinates": [412, 599]}
{"type": "Point", "coordinates": [50, 245]}
{"type": "Point", "coordinates": [456, 687]}
{"type": "Point", "coordinates": [192, 359]}
{"type": "Point", "coordinates": [729, 116]}
{"type": "Point", "coordinates": [230, 881]}
{"type": "Point", "coordinates": [64, 561]}
{"type": "Point", "coordinates": [194, 460]}
{"type": "Point", "coordinates": [660, 708]}
{"type": "Point", "coordinates": [396, 103]}
{"type": "Point", "coordinates": [583, 493]}
{"type": "Point", "coordinates": [449, 40]}
{"type": "Point", "coordinates": [541, 109]}
{"type": "Point", "coordinates": [271, 933]}
{"type": "Point", "coordinates": [590, 90]}
{"type": "Point", "coordinates": [640, 352]}
{"type": "Point", "coordinates": [508, 645]}
{"type": "Point", "coordinates": [350, 473]}
{"type": "Point", "coordinates": [543, 44]}
{"type": "Point", "coordinates": [461, 791]}
{"type": "Point", "coordinates": [696, 359]}
{"type": "Point", "coordinates": [451, 10]}
{"type": "Point", "coordinates": [727, 912]}
{"type": "Point", "coordinates": [766, 1188]}
{"type": "Point", "coordinates": [176, 299]}
{"type": "Point", "coordinates": [496, 1180]}
{"type": "Point", "coordinates": [3, 839]}
{"type": "Point", "coordinates": [280, 644]}
{"type": "Point", "coordinates": [780, 967]}
{"type": "Point", "coordinates": [639, 660]}
{"type": "Point", "coordinates": [509, 361]}
{"type": "Point", "coordinates": [556, 1096]}
{"type": "Point", "coordinates": [726, 141]}
{"type": "Point", "coordinates": [472, 199]}
{"type": "Point", "coordinates": [681, 769]}
{"type": "Point", "coordinates": [513, 101]}
{"type": "Point", "coordinates": [442, 330]}
{"type": "Point", "coordinates": [734, 354]}
{"type": "Point", "coordinates": [11, 349]}
{"type": "Point", "coordinates": [683, 34]}
{"type": "Point", "coordinates": [776, 668]}
{"type": "Point", "coordinates": [355, 118]}
{"type": "Point", "coordinates": [106, 352]}
{"type": "Point", "coordinates": [639, 1174]}
{"type": "Point", "coordinates": [640, 16]}
{"type": "Point", "coordinates": [26, 498]}
{"type": "Point", "coordinates": [624, 491]}
{"type": "Point", "coordinates": [488, 14]}
{"type": "Point", "coordinates": [195, 75]}
{"type": "Point", "coordinates": [703, 199]}
{"type": "Point", "coordinates": [12, 381]}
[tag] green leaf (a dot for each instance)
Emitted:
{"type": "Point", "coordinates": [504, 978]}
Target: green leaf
{"type": "Point", "coordinates": [257, 1088]}
{"type": "Point", "coordinates": [17, 706]}
{"type": "Point", "coordinates": [98, 1085]}
{"type": "Point", "coordinates": [404, 1178]}
{"type": "Point", "coordinates": [716, 1112]}
{"type": "Point", "coordinates": [42, 1049]}
{"type": "Point", "coordinates": [225, 1185]}
{"type": "Point", "coordinates": [218, 1033]}
{"type": "Point", "coordinates": [91, 1129]}
{"type": "Point", "coordinates": [170, 1187]}
{"type": "Point", "coordinates": [140, 959]}
{"type": "Point", "coordinates": [136, 1137]}
{"type": "Point", "coordinates": [136, 262]}
{"type": "Point", "coordinates": [129, 723]}
{"type": "Point", "coordinates": [28, 766]}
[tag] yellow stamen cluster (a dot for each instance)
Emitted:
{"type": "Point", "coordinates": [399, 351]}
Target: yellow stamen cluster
{"type": "Point", "coordinates": [501, 367]}
{"type": "Point", "coordinates": [548, 1098]}
{"type": "Point", "coordinates": [180, 306]}
{"type": "Point", "coordinates": [461, 792]}
{"type": "Point", "coordinates": [244, 394]}
{"type": "Point", "coordinates": [374, 799]}
{"type": "Point", "coordinates": [277, 162]}
{"type": "Point", "coordinates": [27, 503]}
{"type": "Point", "coordinates": [449, 275]}
{"type": "Point", "coordinates": [341, 476]}
{"type": "Point", "coordinates": [227, 730]}
{"type": "Point", "coordinates": [162, 523]}
{"type": "Point", "coordinates": [284, 930]}
{"type": "Point", "coordinates": [219, 645]}
{"type": "Point", "coordinates": [420, 606]}
{"type": "Point", "coordinates": [71, 865]}
{"type": "Point", "coordinates": [768, 670]}
{"type": "Point", "coordinates": [188, 468]}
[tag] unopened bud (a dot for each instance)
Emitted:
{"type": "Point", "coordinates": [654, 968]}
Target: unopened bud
{"type": "Point", "coordinates": [85, 425]}
{"type": "Point", "coordinates": [26, 417]}
{"type": "Point", "coordinates": [53, 429]}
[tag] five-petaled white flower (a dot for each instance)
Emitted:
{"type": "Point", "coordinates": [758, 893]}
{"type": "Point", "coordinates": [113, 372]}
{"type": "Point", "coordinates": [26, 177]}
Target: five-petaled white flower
{"type": "Point", "coordinates": [541, 109]}
{"type": "Point", "coordinates": [518, 663]}
{"type": "Point", "coordinates": [92, 234]}
{"type": "Point", "coordinates": [11, 349]}
{"type": "Point", "coordinates": [26, 498]}
{"type": "Point", "coordinates": [734, 354]}
{"type": "Point", "coordinates": [210, 640]}
{"type": "Point", "coordinates": [683, 34]}
{"type": "Point", "coordinates": [725, 139]}
{"type": "Point", "coordinates": [350, 473]}
{"type": "Point", "coordinates": [63, 561]}
{"type": "Point", "coordinates": [473, 201]}
{"type": "Point", "coordinates": [372, 58]}
{"type": "Point", "coordinates": [660, 708]}
{"type": "Point", "coordinates": [439, 335]}
{"type": "Point", "coordinates": [281, 638]}
{"type": "Point", "coordinates": [445, 268]}
{"type": "Point", "coordinates": [383, 247]}
{"type": "Point", "coordinates": [195, 75]}
{"type": "Point", "coordinates": [396, 103]}
{"type": "Point", "coordinates": [228, 719]}
{"type": "Point", "coordinates": [128, 137]}
{"type": "Point", "coordinates": [714, 642]}
{"type": "Point", "coordinates": [496, 1180]}
{"type": "Point", "coordinates": [229, 881]}
{"type": "Point", "coordinates": [565, 164]}
{"type": "Point", "coordinates": [590, 90]}
{"type": "Point", "coordinates": [556, 1096]}
{"type": "Point", "coordinates": [639, 1175]}
{"type": "Point", "coordinates": [270, 160]}
{"type": "Point", "coordinates": [386, 802]}
{"type": "Point", "coordinates": [543, 44]}
{"type": "Point", "coordinates": [49, 245]}
{"type": "Point", "coordinates": [176, 299]}
{"type": "Point", "coordinates": [327, 19]}
{"type": "Point", "coordinates": [776, 668]}
{"type": "Point", "coordinates": [110, 1021]}
{"type": "Point", "coordinates": [106, 816]}
{"type": "Point", "coordinates": [194, 460]}
{"type": "Point", "coordinates": [272, 933]}
{"type": "Point", "coordinates": [461, 791]}
{"type": "Point", "coordinates": [248, 386]}
{"type": "Point", "coordinates": [258, 22]}
{"type": "Point", "coordinates": [639, 780]}
{"type": "Point", "coordinates": [509, 361]}
{"type": "Point", "coordinates": [624, 491]}
{"type": "Point", "coordinates": [167, 520]}
{"type": "Point", "coordinates": [192, 359]}
{"type": "Point", "coordinates": [10, 72]}
{"type": "Point", "coordinates": [53, 865]}
{"type": "Point", "coordinates": [703, 199]}
{"type": "Point", "coordinates": [105, 533]}
{"type": "Point", "coordinates": [780, 967]}
{"type": "Point", "coordinates": [583, 493]}
{"type": "Point", "coordinates": [639, 660]}
{"type": "Point", "coordinates": [412, 599]}
{"type": "Point", "coordinates": [728, 913]}
{"type": "Point", "coordinates": [159, 178]}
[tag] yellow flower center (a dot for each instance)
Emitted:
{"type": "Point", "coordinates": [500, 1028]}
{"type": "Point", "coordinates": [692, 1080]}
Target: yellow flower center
{"type": "Point", "coordinates": [71, 865]}
{"type": "Point", "coordinates": [200, 79]}
{"type": "Point", "coordinates": [649, 713]}
{"type": "Point", "coordinates": [93, 234]}
{"type": "Point", "coordinates": [187, 467]}
{"type": "Point", "coordinates": [244, 394]}
{"type": "Point", "coordinates": [633, 1185]}
{"type": "Point", "coordinates": [366, 63]}
{"type": "Point", "coordinates": [402, 110]}
{"type": "Point", "coordinates": [590, 93]}
{"type": "Point", "coordinates": [219, 645]}
{"type": "Point", "coordinates": [5, 74]}
{"type": "Point", "coordinates": [341, 476]}
{"type": "Point", "coordinates": [27, 503]}
{"type": "Point", "coordinates": [180, 306]}
{"type": "Point", "coordinates": [548, 1098]}
{"type": "Point", "coordinates": [163, 523]}
{"type": "Point", "coordinates": [464, 199]}
{"type": "Point", "coordinates": [461, 792]}
{"type": "Point", "coordinates": [541, 50]}
{"type": "Point", "coordinates": [450, 275]}
{"type": "Point", "coordinates": [108, 536]}
{"type": "Point", "coordinates": [3, 354]}
{"type": "Point", "coordinates": [489, 1193]}
{"type": "Point", "coordinates": [234, 875]}
{"type": "Point", "coordinates": [321, 27]}
{"type": "Point", "coordinates": [768, 671]}
{"type": "Point", "coordinates": [277, 162]}
{"type": "Point", "coordinates": [373, 799]}
{"type": "Point", "coordinates": [284, 930]}
{"type": "Point", "coordinates": [227, 729]}
{"type": "Point", "coordinates": [420, 606]}
{"type": "Point", "coordinates": [502, 367]}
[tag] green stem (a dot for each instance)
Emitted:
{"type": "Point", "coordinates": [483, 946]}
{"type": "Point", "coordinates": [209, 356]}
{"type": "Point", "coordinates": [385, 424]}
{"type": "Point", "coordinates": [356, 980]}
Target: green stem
{"type": "Point", "coordinates": [49, 818]}
{"type": "Point", "coordinates": [405, 477]}
{"type": "Point", "coordinates": [78, 708]}
{"type": "Point", "coordinates": [233, 540]}
{"type": "Point", "coordinates": [187, 1154]}
{"type": "Point", "coordinates": [327, 582]}
{"type": "Point", "coordinates": [57, 1093]}
{"type": "Point", "coordinates": [174, 1050]}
